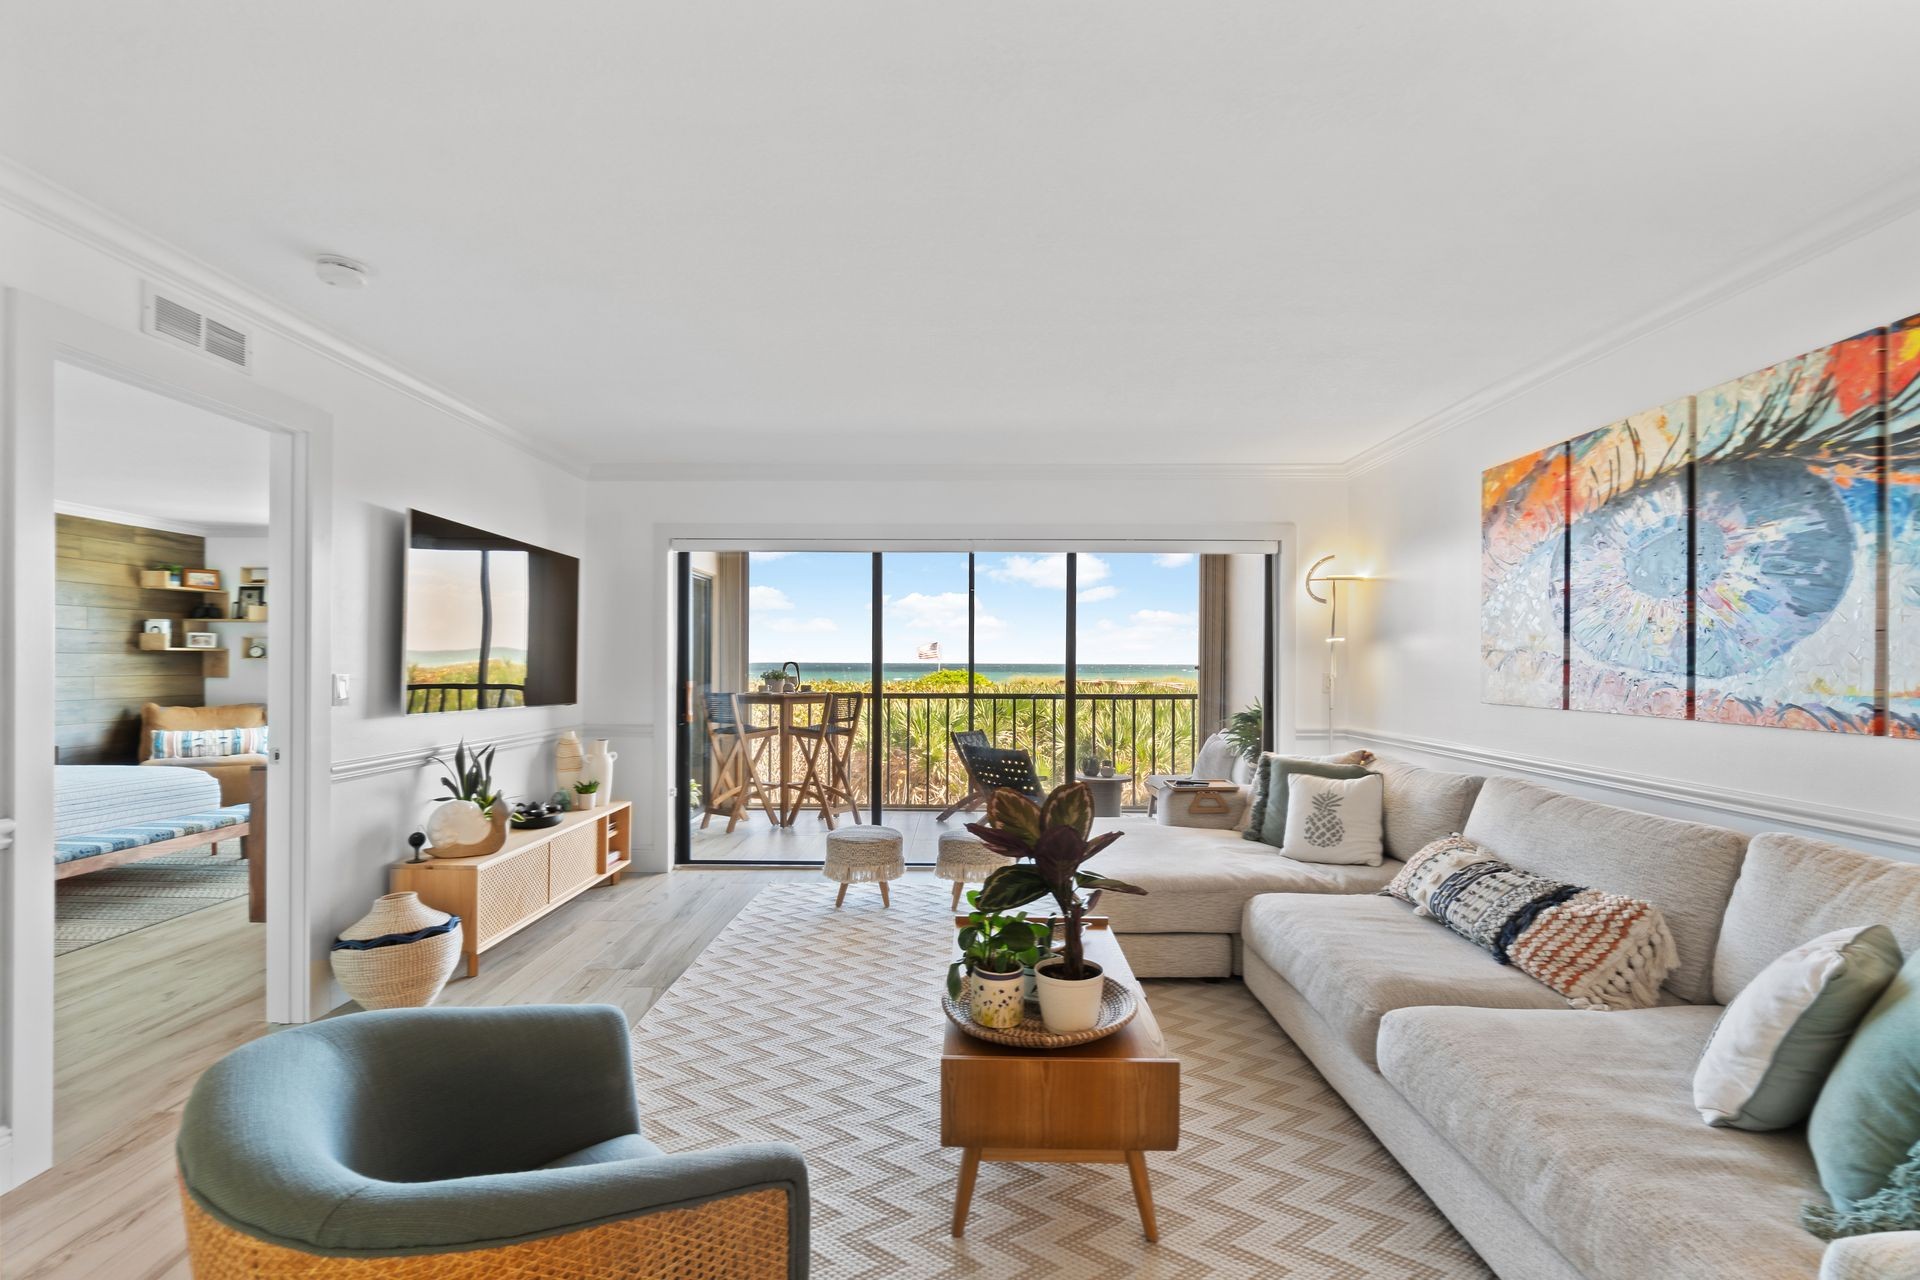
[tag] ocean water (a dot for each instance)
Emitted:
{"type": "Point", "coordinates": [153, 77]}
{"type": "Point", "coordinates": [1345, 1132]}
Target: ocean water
{"type": "Point", "coordinates": [998, 672]}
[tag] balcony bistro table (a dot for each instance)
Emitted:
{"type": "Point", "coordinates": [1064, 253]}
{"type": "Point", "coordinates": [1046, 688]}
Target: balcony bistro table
{"type": "Point", "coordinates": [1108, 793]}
{"type": "Point", "coordinates": [784, 705]}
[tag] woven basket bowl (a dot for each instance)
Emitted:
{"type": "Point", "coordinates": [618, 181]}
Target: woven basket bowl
{"type": "Point", "coordinates": [403, 976]}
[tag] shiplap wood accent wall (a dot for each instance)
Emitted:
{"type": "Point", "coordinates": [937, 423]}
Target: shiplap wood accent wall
{"type": "Point", "coordinates": [103, 677]}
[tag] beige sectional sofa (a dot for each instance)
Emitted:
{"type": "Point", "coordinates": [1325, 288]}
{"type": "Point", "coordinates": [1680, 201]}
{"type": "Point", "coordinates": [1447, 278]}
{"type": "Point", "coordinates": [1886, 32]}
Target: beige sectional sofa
{"type": "Point", "coordinates": [1561, 1143]}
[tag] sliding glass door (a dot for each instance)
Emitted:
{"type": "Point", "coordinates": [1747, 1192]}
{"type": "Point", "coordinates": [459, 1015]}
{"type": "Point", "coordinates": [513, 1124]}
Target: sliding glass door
{"type": "Point", "coordinates": [1091, 663]}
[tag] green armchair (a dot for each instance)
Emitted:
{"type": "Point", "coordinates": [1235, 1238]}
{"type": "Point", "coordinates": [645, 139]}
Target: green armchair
{"type": "Point", "coordinates": [497, 1142]}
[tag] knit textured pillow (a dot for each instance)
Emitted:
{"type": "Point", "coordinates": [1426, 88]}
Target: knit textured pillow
{"type": "Point", "coordinates": [1427, 869]}
{"type": "Point", "coordinates": [1599, 950]}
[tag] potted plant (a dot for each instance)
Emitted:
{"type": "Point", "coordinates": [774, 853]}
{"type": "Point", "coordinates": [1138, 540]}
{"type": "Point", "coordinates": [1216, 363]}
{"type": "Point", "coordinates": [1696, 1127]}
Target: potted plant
{"type": "Point", "coordinates": [773, 680]}
{"type": "Point", "coordinates": [1052, 842]}
{"type": "Point", "coordinates": [1243, 731]}
{"type": "Point", "coordinates": [996, 951]}
{"type": "Point", "coordinates": [588, 789]}
{"type": "Point", "coordinates": [462, 817]}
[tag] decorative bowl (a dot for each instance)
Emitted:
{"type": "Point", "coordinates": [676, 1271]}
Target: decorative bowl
{"type": "Point", "coordinates": [1117, 1007]}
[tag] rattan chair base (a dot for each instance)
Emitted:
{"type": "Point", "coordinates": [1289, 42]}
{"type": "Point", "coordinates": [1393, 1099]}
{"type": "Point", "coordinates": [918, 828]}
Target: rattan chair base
{"type": "Point", "coordinates": [741, 1237]}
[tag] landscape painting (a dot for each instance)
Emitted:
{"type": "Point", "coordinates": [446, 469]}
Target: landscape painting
{"type": "Point", "coordinates": [1786, 542]}
{"type": "Point", "coordinates": [1523, 581]}
{"type": "Point", "coordinates": [1903, 528]}
{"type": "Point", "coordinates": [1628, 573]}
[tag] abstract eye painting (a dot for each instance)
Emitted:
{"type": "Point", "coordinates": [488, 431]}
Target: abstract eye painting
{"type": "Point", "coordinates": [1746, 555]}
{"type": "Point", "coordinates": [1523, 581]}
{"type": "Point", "coordinates": [1628, 575]}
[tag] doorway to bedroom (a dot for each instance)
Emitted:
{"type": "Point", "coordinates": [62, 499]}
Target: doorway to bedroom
{"type": "Point", "coordinates": [162, 737]}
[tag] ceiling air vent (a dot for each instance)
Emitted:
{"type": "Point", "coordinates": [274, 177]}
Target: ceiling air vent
{"type": "Point", "coordinates": [187, 324]}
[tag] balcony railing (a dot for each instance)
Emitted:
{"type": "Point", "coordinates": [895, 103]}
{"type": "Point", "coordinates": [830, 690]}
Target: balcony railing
{"type": "Point", "coordinates": [1141, 733]}
{"type": "Point", "coordinates": [463, 697]}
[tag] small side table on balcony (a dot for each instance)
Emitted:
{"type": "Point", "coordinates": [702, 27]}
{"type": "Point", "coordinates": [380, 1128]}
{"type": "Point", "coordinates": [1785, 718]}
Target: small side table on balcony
{"type": "Point", "coordinates": [1108, 793]}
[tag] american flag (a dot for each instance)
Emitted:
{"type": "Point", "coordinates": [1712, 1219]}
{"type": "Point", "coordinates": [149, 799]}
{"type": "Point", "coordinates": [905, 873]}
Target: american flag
{"type": "Point", "coordinates": [930, 652]}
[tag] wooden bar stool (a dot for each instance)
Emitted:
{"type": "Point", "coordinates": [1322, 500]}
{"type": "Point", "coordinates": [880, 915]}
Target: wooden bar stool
{"type": "Point", "coordinates": [826, 749]}
{"type": "Point", "coordinates": [739, 747]}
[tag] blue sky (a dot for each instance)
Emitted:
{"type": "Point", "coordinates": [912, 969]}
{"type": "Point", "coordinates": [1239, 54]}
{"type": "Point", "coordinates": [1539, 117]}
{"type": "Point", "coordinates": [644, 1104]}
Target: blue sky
{"type": "Point", "coordinates": [810, 606]}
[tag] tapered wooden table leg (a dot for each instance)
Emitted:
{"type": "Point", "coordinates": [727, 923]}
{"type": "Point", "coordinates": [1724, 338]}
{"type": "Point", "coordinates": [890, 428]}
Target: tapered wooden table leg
{"type": "Point", "coordinates": [1142, 1194]}
{"type": "Point", "coordinates": [969, 1170]}
{"type": "Point", "coordinates": [840, 897]}
{"type": "Point", "coordinates": [886, 899]}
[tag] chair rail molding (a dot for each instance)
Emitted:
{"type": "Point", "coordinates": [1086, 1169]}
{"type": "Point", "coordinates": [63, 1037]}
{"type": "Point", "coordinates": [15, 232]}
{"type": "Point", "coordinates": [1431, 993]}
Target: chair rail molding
{"type": "Point", "coordinates": [417, 757]}
{"type": "Point", "coordinates": [1829, 821]}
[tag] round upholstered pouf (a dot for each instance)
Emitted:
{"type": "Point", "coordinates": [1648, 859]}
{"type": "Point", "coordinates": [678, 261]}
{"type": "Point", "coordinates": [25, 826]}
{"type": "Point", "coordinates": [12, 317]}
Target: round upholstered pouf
{"type": "Point", "coordinates": [856, 855]}
{"type": "Point", "coordinates": [964, 859]}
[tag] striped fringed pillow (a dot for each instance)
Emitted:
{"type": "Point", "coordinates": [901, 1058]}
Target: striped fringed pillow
{"type": "Point", "coordinates": [206, 744]}
{"type": "Point", "coordinates": [1599, 950]}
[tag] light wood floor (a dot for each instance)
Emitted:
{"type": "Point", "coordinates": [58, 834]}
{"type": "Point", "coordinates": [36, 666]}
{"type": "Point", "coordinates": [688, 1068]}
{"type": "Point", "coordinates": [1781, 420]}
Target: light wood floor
{"type": "Point", "coordinates": [139, 1018]}
{"type": "Point", "coordinates": [757, 840]}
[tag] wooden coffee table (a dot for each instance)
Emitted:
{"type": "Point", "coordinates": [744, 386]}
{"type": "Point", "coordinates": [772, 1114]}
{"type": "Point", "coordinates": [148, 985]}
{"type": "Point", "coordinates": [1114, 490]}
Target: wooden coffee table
{"type": "Point", "coordinates": [1108, 1102]}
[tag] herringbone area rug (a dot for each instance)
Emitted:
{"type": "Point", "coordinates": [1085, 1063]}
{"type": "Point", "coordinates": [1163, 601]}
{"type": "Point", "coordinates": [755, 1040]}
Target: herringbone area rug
{"type": "Point", "coordinates": [822, 1028]}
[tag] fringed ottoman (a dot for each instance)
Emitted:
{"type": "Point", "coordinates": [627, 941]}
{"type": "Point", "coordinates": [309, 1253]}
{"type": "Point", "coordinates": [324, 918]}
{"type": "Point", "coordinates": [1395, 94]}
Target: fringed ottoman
{"type": "Point", "coordinates": [856, 855]}
{"type": "Point", "coordinates": [964, 857]}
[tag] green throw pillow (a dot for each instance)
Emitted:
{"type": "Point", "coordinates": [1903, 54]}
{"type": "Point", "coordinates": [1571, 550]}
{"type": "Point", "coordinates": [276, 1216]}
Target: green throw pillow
{"type": "Point", "coordinates": [1868, 1115]}
{"type": "Point", "coordinates": [1268, 822]}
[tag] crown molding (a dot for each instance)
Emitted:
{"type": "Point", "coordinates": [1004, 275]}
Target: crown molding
{"type": "Point", "coordinates": [193, 528]}
{"type": "Point", "coordinates": [32, 196]}
{"type": "Point", "coordinates": [946, 473]}
{"type": "Point", "coordinates": [1890, 202]}
{"type": "Point", "coordinates": [1754, 808]}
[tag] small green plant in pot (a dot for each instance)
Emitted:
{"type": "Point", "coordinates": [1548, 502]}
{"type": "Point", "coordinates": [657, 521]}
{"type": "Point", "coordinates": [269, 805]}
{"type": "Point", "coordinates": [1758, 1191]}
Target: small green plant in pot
{"type": "Point", "coordinates": [996, 951]}
{"type": "Point", "coordinates": [588, 789]}
{"type": "Point", "coordinates": [1053, 842]}
{"type": "Point", "coordinates": [773, 680]}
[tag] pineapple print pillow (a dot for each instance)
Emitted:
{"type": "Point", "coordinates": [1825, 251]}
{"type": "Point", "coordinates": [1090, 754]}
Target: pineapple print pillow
{"type": "Point", "coordinates": [1334, 820]}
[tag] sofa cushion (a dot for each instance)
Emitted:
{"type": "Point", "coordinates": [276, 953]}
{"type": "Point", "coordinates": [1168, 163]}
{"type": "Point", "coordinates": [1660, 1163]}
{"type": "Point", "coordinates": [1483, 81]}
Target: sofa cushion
{"type": "Point", "coordinates": [1423, 805]}
{"type": "Point", "coordinates": [1792, 889]}
{"type": "Point", "coordinates": [1355, 959]}
{"type": "Point", "coordinates": [1585, 1123]}
{"type": "Point", "coordinates": [1199, 880]}
{"type": "Point", "coordinates": [1686, 869]}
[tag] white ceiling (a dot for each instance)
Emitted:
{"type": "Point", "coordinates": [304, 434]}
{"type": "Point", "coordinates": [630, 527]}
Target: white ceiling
{"type": "Point", "coordinates": [123, 449]}
{"type": "Point", "coordinates": [903, 231]}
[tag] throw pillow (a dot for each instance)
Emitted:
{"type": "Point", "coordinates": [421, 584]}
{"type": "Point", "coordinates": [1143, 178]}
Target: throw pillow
{"type": "Point", "coordinates": [1868, 1114]}
{"type": "Point", "coordinates": [1895, 1207]}
{"type": "Point", "coordinates": [1333, 820]}
{"type": "Point", "coordinates": [1774, 1045]}
{"type": "Point", "coordinates": [1267, 821]}
{"type": "Point", "coordinates": [206, 744]}
{"type": "Point", "coordinates": [1427, 869]}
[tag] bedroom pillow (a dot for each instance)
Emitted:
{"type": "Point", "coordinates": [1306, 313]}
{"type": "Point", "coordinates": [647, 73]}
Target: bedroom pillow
{"type": "Point", "coordinates": [1774, 1045]}
{"type": "Point", "coordinates": [1267, 819]}
{"type": "Point", "coordinates": [1428, 868]}
{"type": "Point", "coordinates": [205, 744]}
{"type": "Point", "coordinates": [1333, 820]}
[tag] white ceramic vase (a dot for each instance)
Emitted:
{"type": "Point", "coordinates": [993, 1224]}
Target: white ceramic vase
{"type": "Point", "coordinates": [457, 822]}
{"type": "Point", "coordinates": [1069, 1006]}
{"type": "Point", "coordinates": [569, 762]}
{"type": "Point", "coordinates": [994, 999]}
{"type": "Point", "coordinates": [599, 766]}
{"type": "Point", "coordinates": [397, 956]}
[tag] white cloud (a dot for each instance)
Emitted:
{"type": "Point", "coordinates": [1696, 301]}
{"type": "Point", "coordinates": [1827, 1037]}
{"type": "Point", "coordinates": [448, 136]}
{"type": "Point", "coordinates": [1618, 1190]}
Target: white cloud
{"type": "Point", "coordinates": [1094, 594]}
{"type": "Point", "coordinates": [1049, 571]}
{"type": "Point", "coordinates": [768, 598]}
{"type": "Point", "coordinates": [1164, 618]}
{"type": "Point", "coordinates": [802, 626]}
{"type": "Point", "coordinates": [1148, 635]}
{"type": "Point", "coordinates": [1174, 559]}
{"type": "Point", "coordinates": [946, 611]}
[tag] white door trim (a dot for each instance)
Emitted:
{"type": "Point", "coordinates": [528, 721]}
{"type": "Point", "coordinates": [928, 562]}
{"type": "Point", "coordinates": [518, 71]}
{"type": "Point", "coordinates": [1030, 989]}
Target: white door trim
{"type": "Point", "coordinates": [35, 337]}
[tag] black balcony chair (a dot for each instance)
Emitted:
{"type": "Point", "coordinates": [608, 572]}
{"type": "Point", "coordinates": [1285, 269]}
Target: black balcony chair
{"type": "Point", "coordinates": [988, 769]}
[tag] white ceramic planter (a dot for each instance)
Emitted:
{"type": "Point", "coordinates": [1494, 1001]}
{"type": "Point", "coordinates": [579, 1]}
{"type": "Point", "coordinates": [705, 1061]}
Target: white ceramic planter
{"type": "Point", "coordinates": [1069, 1006]}
{"type": "Point", "coordinates": [994, 998]}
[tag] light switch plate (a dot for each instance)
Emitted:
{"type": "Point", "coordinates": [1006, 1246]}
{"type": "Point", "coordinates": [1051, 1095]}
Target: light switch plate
{"type": "Point", "coordinates": [342, 690]}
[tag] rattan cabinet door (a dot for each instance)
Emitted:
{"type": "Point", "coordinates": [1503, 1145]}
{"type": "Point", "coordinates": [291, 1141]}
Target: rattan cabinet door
{"type": "Point", "coordinates": [509, 891]}
{"type": "Point", "coordinates": [576, 859]}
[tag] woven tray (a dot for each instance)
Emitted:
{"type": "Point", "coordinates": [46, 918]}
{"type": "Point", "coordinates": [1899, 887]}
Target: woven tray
{"type": "Point", "coordinates": [1117, 1007]}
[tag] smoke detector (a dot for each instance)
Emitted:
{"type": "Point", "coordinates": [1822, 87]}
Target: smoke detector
{"type": "Point", "coordinates": [341, 273]}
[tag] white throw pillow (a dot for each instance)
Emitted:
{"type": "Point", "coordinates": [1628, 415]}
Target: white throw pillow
{"type": "Point", "coordinates": [1334, 820]}
{"type": "Point", "coordinates": [1770, 1053]}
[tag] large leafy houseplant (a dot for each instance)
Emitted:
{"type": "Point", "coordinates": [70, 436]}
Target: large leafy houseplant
{"type": "Point", "coordinates": [1053, 841]}
{"type": "Point", "coordinates": [1243, 731]}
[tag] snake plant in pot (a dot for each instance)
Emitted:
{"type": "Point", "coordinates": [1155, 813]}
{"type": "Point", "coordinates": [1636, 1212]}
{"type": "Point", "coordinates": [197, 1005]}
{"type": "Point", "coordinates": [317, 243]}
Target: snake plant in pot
{"type": "Point", "coordinates": [1053, 842]}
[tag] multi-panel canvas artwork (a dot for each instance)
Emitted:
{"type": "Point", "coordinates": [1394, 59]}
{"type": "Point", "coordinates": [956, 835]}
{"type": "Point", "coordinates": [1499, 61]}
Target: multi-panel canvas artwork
{"type": "Point", "coordinates": [1746, 555]}
{"type": "Point", "coordinates": [1523, 580]}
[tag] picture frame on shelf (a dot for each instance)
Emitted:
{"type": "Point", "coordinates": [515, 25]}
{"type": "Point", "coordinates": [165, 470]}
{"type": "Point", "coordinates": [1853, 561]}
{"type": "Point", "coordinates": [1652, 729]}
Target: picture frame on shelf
{"type": "Point", "coordinates": [158, 627]}
{"type": "Point", "coordinates": [200, 579]}
{"type": "Point", "coordinates": [202, 640]}
{"type": "Point", "coordinates": [249, 597]}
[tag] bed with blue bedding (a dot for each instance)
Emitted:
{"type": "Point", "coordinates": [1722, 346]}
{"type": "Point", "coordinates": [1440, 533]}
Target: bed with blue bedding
{"type": "Point", "coordinates": [109, 815]}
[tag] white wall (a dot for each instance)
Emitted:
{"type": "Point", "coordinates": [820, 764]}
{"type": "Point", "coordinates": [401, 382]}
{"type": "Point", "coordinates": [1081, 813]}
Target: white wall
{"type": "Point", "coordinates": [629, 634]}
{"type": "Point", "coordinates": [390, 450]}
{"type": "Point", "coordinates": [246, 679]}
{"type": "Point", "coordinates": [1415, 636]}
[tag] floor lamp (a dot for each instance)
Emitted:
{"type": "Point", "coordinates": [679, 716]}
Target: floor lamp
{"type": "Point", "coordinates": [1331, 581]}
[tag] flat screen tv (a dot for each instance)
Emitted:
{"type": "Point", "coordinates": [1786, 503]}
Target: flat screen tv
{"type": "Point", "coordinates": [490, 621]}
